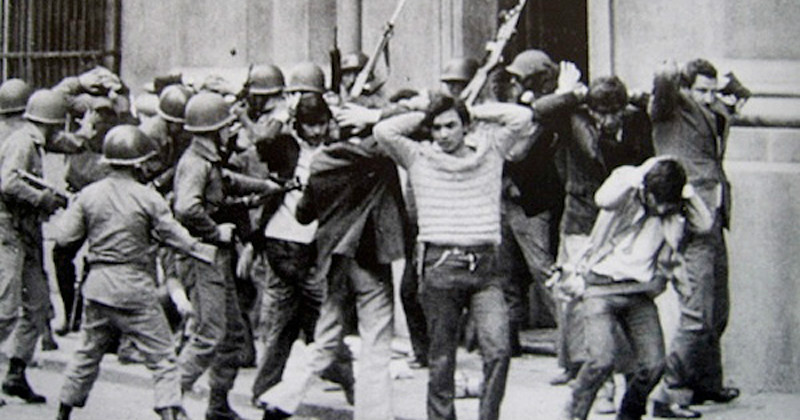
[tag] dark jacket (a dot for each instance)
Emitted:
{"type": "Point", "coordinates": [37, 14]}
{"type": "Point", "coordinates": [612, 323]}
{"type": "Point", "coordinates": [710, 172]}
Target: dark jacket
{"type": "Point", "coordinates": [355, 194]}
{"type": "Point", "coordinates": [696, 135]}
{"type": "Point", "coordinates": [591, 158]}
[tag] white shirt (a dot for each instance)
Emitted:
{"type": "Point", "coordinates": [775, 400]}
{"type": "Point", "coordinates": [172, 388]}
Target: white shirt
{"type": "Point", "coordinates": [283, 224]}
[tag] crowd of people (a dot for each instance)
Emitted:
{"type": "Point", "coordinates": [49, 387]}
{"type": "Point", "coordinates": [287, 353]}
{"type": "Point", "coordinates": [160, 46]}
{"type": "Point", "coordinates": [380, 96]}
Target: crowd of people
{"type": "Point", "coordinates": [209, 218]}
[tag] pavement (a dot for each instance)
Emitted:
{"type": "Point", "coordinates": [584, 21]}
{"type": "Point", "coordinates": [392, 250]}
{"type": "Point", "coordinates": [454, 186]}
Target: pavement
{"type": "Point", "coordinates": [528, 393]}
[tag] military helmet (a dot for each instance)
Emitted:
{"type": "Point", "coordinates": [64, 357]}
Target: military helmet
{"type": "Point", "coordinates": [47, 107]}
{"type": "Point", "coordinates": [266, 80]}
{"type": "Point", "coordinates": [306, 77]}
{"type": "Point", "coordinates": [207, 111]}
{"type": "Point", "coordinates": [354, 61]}
{"type": "Point", "coordinates": [127, 145]}
{"type": "Point", "coordinates": [172, 103]}
{"type": "Point", "coordinates": [14, 94]}
{"type": "Point", "coordinates": [146, 104]}
{"type": "Point", "coordinates": [459, 70]}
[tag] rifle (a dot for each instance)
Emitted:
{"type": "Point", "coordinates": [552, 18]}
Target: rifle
{"type": "Point", "coordinates": [41, 183]}
{"type": "Point", "coordinates": [363, 75]}
{"type": "Point", "coordinates": [494, 53]}
{"type": "Point", "coordinates": [336, 64]}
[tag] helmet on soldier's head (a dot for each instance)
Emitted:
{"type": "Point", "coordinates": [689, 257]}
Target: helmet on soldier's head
{"type": "Point", "coordinates": [354, 61]}
{"type": "Point", "coordinates": [14, 94]}
{"type": "Point", "coordinates": [126, 145]}
{"type": "Point", "coordinates": [459, 70]}
{"type": "Point", "coordinates": [266, 80]}
{"type": "Point", "coordinates": [306, 77]}
{"type": "Point", "coordinates": [46, 106]}
{"type": "Point", "coordinates": [206, 112]}
{"type": "Point", "coordinates": [172, 103]}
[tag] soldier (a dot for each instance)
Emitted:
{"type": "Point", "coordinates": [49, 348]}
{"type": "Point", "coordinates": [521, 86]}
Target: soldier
{"type": "Point", "coordinates": [14, 94]}
{"type": "Point", "coordinates": [24, 208]}
{"type": "Point", "coordinates": [121, 219]}
{"type": "Point", "coordinates": [201, 187]}
{"type": "Point", "coordinates": [457, 74]}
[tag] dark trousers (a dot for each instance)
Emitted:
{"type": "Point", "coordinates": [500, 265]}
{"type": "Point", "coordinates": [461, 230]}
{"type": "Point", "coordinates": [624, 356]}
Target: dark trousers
{"type": "Point", "coordinates": [637, 316]}
{"type": "Point", "coordinates": [63, 261]}
{"type": "Point", "coordinates": [295, 295]}
{"type": "Point", "coordinates": [694, 363]}
{"type": "Point", "coordinates": [452, 282]}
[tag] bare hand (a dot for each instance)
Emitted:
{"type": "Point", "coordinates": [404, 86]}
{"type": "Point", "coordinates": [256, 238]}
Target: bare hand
{"type": "Point", "coordinates": [226, 232]}
{"type": "Point", "coordinates": [352, 115]}
{"type": "Point", "coordinates": [569, 77]}
{"type": "Point", "coordinates": [245, 262]}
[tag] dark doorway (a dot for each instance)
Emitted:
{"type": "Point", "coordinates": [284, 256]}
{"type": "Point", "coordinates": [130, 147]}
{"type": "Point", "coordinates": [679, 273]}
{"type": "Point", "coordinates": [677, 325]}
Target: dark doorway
{"type": "Point", "coordinates": [557, 27]}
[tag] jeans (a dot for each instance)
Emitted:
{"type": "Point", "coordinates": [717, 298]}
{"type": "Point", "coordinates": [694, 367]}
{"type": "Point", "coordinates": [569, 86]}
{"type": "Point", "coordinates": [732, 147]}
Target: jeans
{"type": "Point", "coordinates": [147, 329]}
{"type": "Point", "coordinates": [370, 289]}
{"type": "Point", "coordinates": [294, 295]}
{"type": "Point", "coordinates": [694, 363]}
{"type": "Point", "coordinates": [216, 339]}
{"type": "Point", "coordinates": [455, 279]}
{"type": "Point", "coordinates": [637, 315]}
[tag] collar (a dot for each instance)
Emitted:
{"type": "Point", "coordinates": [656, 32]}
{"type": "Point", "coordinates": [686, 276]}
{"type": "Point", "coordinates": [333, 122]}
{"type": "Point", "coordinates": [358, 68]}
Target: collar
{"type": "Point", "coordinates": [206, 148]}
{"type": "Point", "coordinates": [30, 129]}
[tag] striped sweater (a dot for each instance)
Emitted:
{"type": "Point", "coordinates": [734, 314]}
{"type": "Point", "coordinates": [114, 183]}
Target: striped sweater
{"type": "Point", "coordinates": [458, 198]}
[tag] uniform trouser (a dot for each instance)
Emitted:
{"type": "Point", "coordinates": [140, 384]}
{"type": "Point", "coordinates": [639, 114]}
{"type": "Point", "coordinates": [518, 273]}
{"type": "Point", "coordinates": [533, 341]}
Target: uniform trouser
{"type": "Point", "coordinates": [63, 257]}
{"type": "Point", "coordinates": [35, 301]}
{"type": "Point", "coordinates": [216, 340]}
{"type": "Point", "coordinates": [450, 284]}
{"type": "Point", "coordinates": [12, 258]}
{"type": "Point", "coordinates": [370, 289]}
{"type": "Point", "coordinates": [694, 363]}
{"type": "Point", "coordinates": [638, 317]}
{"type": "Point", "coordinates": [295, 294]}
{"type": "Point", "coordinates": [147, 328]}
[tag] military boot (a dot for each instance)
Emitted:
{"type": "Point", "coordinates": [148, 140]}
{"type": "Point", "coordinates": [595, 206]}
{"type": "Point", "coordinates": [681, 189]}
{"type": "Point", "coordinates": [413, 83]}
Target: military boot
{"type": "Point", "coordinates": [172, 413]}
{"type": "Point", "coordinates": [218, 407]}
{"type": "Point", "coordinates": [64, 411]}
{"type": "Point", "coordinates": [16, 384]}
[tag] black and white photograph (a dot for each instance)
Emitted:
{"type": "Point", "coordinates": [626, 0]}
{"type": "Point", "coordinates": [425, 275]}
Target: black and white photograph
{"type": "Point", "coordinates": [399, 209]}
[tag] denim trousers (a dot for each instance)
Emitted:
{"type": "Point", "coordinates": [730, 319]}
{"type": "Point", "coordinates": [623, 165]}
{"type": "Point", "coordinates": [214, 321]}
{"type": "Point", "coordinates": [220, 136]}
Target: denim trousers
{"type": "Point", "coordinates": [694, 362]}
{"type": "Point", "coordinates": [637, 316]}
{"type": "Point", "coordinates": [294, 294]}
{"type": "Point", "coordinates": [369, 288]}
{"type": "Point", "coordinates": [453, 281]}
{"type": "Point", "coordinates": [217, 338]}
{"type": "Point", "coordinates": [147, 329]}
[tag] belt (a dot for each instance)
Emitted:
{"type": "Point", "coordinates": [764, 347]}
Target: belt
{"type": "Point", "coordinates": [468, 255]}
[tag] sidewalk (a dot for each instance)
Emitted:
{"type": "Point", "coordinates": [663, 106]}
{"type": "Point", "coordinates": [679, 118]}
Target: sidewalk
{"type": "Point", "coordinates": [528, 394]}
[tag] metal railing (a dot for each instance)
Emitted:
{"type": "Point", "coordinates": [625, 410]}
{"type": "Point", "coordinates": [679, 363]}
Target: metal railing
{"type": "Point", "coordinates": [44, 41]}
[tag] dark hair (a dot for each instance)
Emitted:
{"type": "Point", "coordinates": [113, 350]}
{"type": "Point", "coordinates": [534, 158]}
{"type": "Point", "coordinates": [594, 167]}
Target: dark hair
{"type": "Point", "coordinates": [697, 66]}
{"type": "Point", "coordinates": [440, 103]}
{"type": "Point", "coordinates": [665, 180]}
{"type": "Point", "coordinates": [404, 93]}
{"type": "Point", "coordinates": [312, 109]}
{"type": "Point", "coordinates": [607, 94]}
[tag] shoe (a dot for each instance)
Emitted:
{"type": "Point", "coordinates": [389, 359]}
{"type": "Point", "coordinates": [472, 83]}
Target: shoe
{"type": "Point", "coordinates": [418, 363]}
{"type": "Point", "coordinates": [273, 413]}
{"type": "Point", "coordinates": [725, 395]}
{"type": "Point", "coordinates": [673, 411]}
{"type": "Point", "coordinates": [563, 378]}
{"type": "Point", "coordinates": [16, 384]}
{"type": "Point", "coordinates": [49, 343]}
{"type": "Point", "coordinates": [604, 406]}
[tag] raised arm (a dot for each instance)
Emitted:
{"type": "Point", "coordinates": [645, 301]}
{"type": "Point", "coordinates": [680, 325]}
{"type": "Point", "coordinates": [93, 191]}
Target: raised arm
{"type": "Point", "coordinates": [393, 135]}
{"type": "Point", "coordinates": [666, 92]}
{"type": "Point", "coordinates": [510, 125]}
